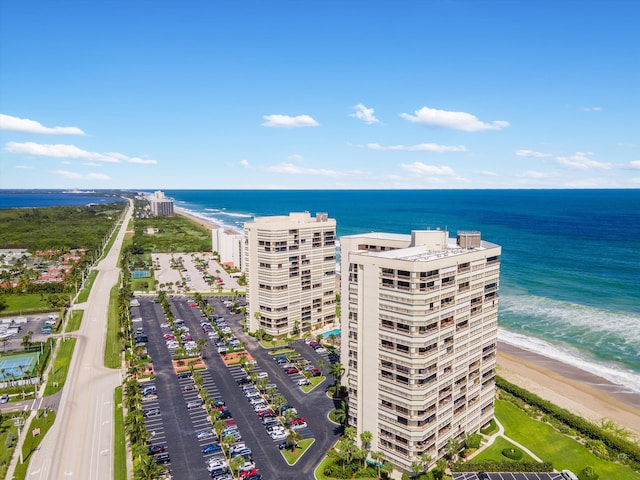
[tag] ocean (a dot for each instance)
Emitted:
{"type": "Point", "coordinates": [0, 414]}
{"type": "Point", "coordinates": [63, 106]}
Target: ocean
{"type": "Point", "coordinates": [570, 270]}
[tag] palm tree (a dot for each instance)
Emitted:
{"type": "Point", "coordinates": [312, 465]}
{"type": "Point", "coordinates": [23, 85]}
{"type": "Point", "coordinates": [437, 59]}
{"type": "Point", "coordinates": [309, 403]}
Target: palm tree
{"type": "Point", "coordinates": [236, 463]}
{"type": "Point", "coordinates": [320, 364]}
{"type": "Point", "coordinates": [218, 427]}
{"type": "Point", "coordinates": [279, 401]}
{"type": "Point", "coordinates": [337, 370]}
{"type": "Point", "coordinates": [292, 439]}
{"type": "Point", "coordinates": [342, 414]}
{"type": "Point", "coordinates": [147, 469]}
{"type": "Point", "coordinates": [365, 439]}
{"type": "Point", "coordinates": [377, 457]}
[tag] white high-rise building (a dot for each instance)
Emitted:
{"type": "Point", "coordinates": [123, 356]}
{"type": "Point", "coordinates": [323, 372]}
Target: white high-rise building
{"type": "Point", "coordinates": [230, 246]}
{"type": "Point", "coordinates": [419, 316]}
{"type": "Point", "coordinates": [291, 272]}
{"type": "Point", "coordinates": [161, 205]}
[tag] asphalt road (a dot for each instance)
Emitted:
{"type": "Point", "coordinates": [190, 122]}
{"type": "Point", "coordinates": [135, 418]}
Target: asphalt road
{"type": "Point", "coordinates": [80, 443]}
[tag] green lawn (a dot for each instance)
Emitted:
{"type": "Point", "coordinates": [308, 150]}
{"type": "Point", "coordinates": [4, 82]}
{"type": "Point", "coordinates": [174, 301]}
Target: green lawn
{"type": "Point", "coordinates": [112, 350]}
{"type": "Point", "coordinates": [7, 429]}
{"type": "Point", "coordinates": [120, 445]}
{"type": "Point", "coordinates": [60, 366]}
{"type": "Point", "coordinates": [292, 456]}
{"type": "Point", "coordinates": [315, 381]}
{"type": "Point", "coordinates": [74, 321]}
{"type": "Point", "coordinates": [494, 452]}
{"type": "Point", "coordinates": [552, 446]}
{"type": "Point", "coordinates": [83, 296]}
{"type": "Point", "coordinates": [31, 443]}
{"type": "Point", "coordinates": [25, 302]}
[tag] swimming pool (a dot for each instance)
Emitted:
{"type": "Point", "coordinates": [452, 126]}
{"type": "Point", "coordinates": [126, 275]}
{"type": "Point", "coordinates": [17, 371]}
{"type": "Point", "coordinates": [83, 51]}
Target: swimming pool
{"type": "Point", "coordinates": [332, 332]}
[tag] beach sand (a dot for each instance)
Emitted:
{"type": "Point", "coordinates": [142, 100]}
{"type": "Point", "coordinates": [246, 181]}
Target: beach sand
{"type": "Point", "coordinates": [576, 390]}
{"type": "Point", "coordinates": [571, 388]}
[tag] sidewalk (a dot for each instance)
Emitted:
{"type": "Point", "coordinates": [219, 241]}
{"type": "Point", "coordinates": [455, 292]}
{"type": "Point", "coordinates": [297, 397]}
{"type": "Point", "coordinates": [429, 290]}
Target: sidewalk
{"type": "Point", "coordinates": [500, 433]}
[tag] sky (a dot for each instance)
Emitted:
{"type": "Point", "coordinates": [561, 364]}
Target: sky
{"type": "Point", "coordinates": [319, 94]}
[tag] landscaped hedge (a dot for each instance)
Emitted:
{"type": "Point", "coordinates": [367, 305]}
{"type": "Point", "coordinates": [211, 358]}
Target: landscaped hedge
{"type": "Point", "coordinates": [501, 466]}
{"type": "Point", "coordinates": [579, 424]}
{"type": "Point", "coordinates": [512, 453]}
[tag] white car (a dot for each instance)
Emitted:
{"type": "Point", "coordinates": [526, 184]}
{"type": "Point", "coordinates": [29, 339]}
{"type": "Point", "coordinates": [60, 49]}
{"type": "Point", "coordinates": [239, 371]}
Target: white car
{"type": "Point", "coordinates": [299, 426]}
{"type": "Point", "coordinates": [204, 434]}
{"type": "Point", "coordinates": [278, 435]}
{"type": "Point", "coordinates": [262, 375]}
{"type": "Point", "coordinates": [303, 381]}
{"type": "Point", "coordinates": [321, 350]}
{"type": "Point", "coordinates": [165, 325]}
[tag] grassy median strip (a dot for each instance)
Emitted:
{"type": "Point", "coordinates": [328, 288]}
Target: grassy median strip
{"type": "Point", "coordinates": [112, 350]}
{"type": "Point", "coordinates": [83, 296]}
{"type": "Point", "coordinates": [119, 447]}
{"type": "Point", "coordinates": [74, 321]}
{"type": "Point", "coordinates": [41, 424]}
{"type": "Point", "coordinates": [552, 446]}
{"type": "Point", "coordinates": [60, 366]}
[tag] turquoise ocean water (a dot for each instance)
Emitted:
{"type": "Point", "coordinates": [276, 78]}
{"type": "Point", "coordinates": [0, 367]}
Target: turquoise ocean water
{"type": "Point", "coordinates": [570, 274]}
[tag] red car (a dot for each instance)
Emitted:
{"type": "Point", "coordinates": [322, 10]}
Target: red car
{"type": "Point", "coordinates": [297, 421]}
{"type": "Point", "coordinates": [168, 336]}
{"type": "Point", "coordinates": [193, 304]}
{"type": "Point", "coordinates": [249, 473]}
{"type": "Point", "coordinates": [292, 370]}
{"type": "Point", "coordinates": [262, 413]}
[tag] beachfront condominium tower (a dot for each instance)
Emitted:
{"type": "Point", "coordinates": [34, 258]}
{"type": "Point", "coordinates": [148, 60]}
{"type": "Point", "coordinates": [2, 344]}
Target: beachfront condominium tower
{"type": "Point", "coordinates": [160, 205]}
{"type": "Point", "coordinates": [291, 273]}
{"type": "Point", "coordinates": [419, 316]}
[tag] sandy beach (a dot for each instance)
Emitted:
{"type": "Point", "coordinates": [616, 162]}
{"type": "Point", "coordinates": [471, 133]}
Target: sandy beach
{"type": "Point", "coordinates": [576, 390]}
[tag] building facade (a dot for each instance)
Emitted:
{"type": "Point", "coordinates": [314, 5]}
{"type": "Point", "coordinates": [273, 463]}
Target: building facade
{"type": "Point", "coordinates": [291, 273]}
{"type": "Point", "coordinates": [230, 246]}
{"type": "Point", "coordinates": [419, 317]}
{"type": "Point", "coordinates": [161, 205]}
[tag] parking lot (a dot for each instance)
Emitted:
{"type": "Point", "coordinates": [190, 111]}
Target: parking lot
{"type": "Point", "coordinates": [181, 426]}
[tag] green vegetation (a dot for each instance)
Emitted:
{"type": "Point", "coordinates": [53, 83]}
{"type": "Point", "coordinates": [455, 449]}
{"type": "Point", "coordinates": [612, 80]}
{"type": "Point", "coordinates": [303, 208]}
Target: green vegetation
{"type": "Point", "coordinates": [494, 451]}
{"type": "Point", "coordinates": [83, 296]}
{"type": "Point", "coordinates": [8, 441]}
{"type": "Point", "coordinates": [60, 366]}
{"type": "Point", "coordinates": [43, 421]}
{"type": "Point", "coordinates": [293, 455]}
{"type": "Point", "coordinates": [28, 302]}
{"type": "Point", "coordinates": [315, 381]}
{"type": "Point", "coordinates": [490, 429]}
{"type": "Point", "coordinates": [173, 234]}
{"type": "Point", "coordinates": [552, 446]}
{"type": "Point", "coordinates": [120, 445]}
{"type": "Point", "coordinates": [58, 227]}
{"type": "Point", "coordinates": [74, 321]}
{"type": "Point", "coordinates": [113, 345]}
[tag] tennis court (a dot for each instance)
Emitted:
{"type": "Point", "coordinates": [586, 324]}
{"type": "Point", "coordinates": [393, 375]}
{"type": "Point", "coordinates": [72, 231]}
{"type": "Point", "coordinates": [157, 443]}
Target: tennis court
{"type": "Point", "coordinates": [18, 366]}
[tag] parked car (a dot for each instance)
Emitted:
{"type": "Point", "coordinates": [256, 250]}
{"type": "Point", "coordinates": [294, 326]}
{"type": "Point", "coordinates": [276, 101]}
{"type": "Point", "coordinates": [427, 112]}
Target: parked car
{"type": "Point", "coordinates": [291, 370]}
{"type": "Point", "coordinates": [303, 381]}
{"type": "Point", "coordinates": [202, 434]}
{"type": "Point", "coordinates": [211, 448]}
{"type": "Point", "coordinates": [163, 458]}
{"type": "Point", "coordinates": [155, 449]}
{"type": "Point", "coordinates": [150, 412]}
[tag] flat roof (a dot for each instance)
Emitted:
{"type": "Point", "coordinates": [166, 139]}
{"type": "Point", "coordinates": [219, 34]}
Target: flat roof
{"type": "Point", "coordinates": [510, 476]}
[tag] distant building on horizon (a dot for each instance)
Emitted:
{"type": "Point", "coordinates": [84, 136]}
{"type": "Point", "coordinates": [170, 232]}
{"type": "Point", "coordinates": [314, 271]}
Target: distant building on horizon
{"type": "Point", "coordinates": [161, 205]}
{"type": "Point", "coordinates": [419, 323]}
{"type": "Point", "coordinates": [291, 277]}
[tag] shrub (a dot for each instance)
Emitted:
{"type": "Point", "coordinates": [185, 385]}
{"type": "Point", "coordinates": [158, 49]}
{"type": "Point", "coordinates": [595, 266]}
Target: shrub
{"type": "Point", "coordinates": [588, 474]}
{"type": "Point", "coordinates": [512, 453]}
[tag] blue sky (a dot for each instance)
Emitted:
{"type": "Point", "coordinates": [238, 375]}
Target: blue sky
{"type": "Point", "coordinates": [319, 94]}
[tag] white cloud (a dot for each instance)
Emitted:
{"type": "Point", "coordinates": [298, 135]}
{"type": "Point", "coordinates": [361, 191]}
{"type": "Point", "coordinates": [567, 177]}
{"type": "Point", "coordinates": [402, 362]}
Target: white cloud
{"type": "Point", "coordinates": [531, 153]}
{"type": "Point", "coordinates": [78, 176]}
{"type": "Point", "coordinates": [592, 109]}
{"type": "Point", "coordinates": [580, 161]}
{"type": "Point", "coordinates": [420, 168]}
{"type": "Point", "coordinates": [24, 167]}
{"type": "Point", "coordinates": [291, 169]}
{"type": "Point", "coordinates": [285, 121]}
{"type": "Point", "coordinates": [421, 147]}
{"type": "Point", "coordinates": [24, 125]}
{"type": "Point", "coordinates": [635, 164]}
{"type": "Point", "coordinates": [456, 120]}
{"type": "Point", "coordinates": [365, 114]}
{"type": "Point", "coordinates": [71, 151]}
{"type": "Point", "coordinates": [142, 161]}
{"type": "Point", "coordinates": [244, 163]}
{"type": "Point", "coordinates": [487, 173]}
{"type": "Point", "coordinates": [296, 158]}
{"type": "Point", "coordinates": [534, 174]}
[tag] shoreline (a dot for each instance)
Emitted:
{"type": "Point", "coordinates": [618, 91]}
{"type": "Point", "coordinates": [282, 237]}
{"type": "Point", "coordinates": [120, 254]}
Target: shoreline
{"type": "Point", "coordinates": [581, 392]}
{"type": "Point", "coordinates": [578, 391]}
